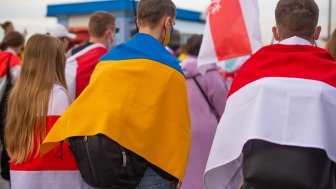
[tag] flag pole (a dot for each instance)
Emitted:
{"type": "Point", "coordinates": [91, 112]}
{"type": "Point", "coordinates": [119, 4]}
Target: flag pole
{"type": "Point", "coordinates": [329, 19]}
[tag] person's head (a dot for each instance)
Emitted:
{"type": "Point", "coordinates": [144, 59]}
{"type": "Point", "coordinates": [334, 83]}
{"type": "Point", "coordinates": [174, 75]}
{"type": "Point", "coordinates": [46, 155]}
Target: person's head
{"type": "Point", "coordinates": [193, 45]}
{"type": "Point", "coordinates": [7, 26]}
{"type": "Point", "coordinates": [157, 18]}
{"type": "Point", "coordinates": [331, 44]}
{"type": "Point", "coordinates": [102, 28]}
{"type": "Point", "coordinates": [296, 18]}
{"type": "Point", "coordinates": [14, 40]}
{"type": "Point", "coordinates": [42, 67]}
{"type": "Point", "coordinates": [61, 32]}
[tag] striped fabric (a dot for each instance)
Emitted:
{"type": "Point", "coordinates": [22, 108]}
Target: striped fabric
{"type": "Point", "coordinates": [136, 96]}
{"type": "Point", "coordinates": [80, 66]}
{"type": "Point", "coordinates": [283, 94]}
{"type": "Point", "coordinates": [56, 169]}
{"type": "Point", "coordinates": [15, 65]}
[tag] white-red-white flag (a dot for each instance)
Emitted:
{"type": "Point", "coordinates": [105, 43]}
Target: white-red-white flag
{"type": "Point", "coordinates": [232, 30]}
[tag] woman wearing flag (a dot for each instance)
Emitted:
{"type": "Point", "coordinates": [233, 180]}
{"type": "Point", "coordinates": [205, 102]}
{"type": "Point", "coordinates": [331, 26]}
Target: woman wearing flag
{"type": "Point", "coordinates": [278, 128]}
{"type": "Point", "coordinates": [37, 100]}
{"type": "Point", "coordinates": [137, 102]}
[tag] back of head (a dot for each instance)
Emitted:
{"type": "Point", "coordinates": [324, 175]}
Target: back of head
{"type": "Point", "coordinates": [296, 18]}
{"type": "Point", "coordinates": [12, 39]}
{"type": "Point", "coordinates": [45, 55]}
{"type": "Point", "coordinates": [100, 22]}
{"type": "Point", "coordinates": [43, 66]}
{"type": "Point", "coordinates": [151, 12]}
{"type": "Point", "coordinates": [194, 44]}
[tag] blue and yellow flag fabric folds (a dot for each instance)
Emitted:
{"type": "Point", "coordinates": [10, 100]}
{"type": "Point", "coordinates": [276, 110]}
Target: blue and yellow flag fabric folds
{"type": "Point", "coordinates": [136, 96]}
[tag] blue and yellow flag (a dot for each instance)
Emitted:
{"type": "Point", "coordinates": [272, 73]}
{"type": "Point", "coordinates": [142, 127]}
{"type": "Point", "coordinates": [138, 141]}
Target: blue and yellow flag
{"type": "Point", "coordinates": [136, 96]}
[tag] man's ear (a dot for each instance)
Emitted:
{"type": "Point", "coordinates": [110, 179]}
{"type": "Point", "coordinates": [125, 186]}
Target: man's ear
{"type": "Point", "coordinates": [107, 32]}
{"type": "Point", "coordinates": [276, 34]}
{"type": "Point", "coordinates": [317, 32]}
{"type": "Point", "coordinates": [167, 22]}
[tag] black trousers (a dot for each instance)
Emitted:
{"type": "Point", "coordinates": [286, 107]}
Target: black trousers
{"type": "Point", "coordinates": [5, 164]}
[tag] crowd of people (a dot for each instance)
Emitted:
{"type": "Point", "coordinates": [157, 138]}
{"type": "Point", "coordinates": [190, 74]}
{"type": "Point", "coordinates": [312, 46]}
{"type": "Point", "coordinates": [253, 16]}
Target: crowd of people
{"type": "Point", "coordinates": [141, 115]}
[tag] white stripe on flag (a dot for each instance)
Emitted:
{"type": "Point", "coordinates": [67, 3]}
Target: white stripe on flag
{"type": "Point", "coordinates": [274, 109]}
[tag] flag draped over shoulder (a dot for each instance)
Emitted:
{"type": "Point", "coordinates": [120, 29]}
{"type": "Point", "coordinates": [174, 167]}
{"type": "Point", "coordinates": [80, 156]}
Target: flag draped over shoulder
{"type": "Point", "coordinates": [272, 96]}
{"type": "Point", "coordinates": [57, 168]}
{"type": "Point", "coordinates": [232, 30]}
{"type": "Point", "coordinates": [137, 97]}
{"type": "Point", "coordinates": [79, 67]}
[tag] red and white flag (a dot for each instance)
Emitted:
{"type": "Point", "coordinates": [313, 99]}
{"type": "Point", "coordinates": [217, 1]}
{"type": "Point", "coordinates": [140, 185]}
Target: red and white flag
{"type": "Point", "coordinates": [79, 67]}
{"type": "Point", "coordinates": [232, 30]}
{"type": "Point", "coordinates": [270, 99]}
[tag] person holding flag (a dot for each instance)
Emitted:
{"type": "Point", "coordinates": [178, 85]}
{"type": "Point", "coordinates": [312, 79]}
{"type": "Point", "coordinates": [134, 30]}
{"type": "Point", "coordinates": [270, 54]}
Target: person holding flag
{"type": "Point", "coordinates": [278, 128]}
{"type": "Point", "coordinates": [137, 102]}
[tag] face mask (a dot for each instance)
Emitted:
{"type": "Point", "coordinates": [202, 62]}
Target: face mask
{"type": "Point", "coordinates": [167, 37]}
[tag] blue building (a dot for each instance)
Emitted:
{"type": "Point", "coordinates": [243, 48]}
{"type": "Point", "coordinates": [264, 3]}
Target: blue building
{"type": "Point", "coordinates": [77, 15]}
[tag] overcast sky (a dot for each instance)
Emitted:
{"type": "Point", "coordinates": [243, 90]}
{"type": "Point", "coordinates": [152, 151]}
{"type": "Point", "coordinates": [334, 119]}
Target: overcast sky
{"type": "Point", "coordinates": [30, 14]}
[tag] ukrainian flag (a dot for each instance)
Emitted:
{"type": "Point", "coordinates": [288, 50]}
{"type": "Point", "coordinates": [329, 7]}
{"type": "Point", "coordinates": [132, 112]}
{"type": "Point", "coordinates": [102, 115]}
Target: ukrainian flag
{"type": "Point", "coordinates": [136, 96]}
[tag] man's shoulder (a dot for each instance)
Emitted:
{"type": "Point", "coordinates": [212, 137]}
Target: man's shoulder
{"type": "Point", "coordinates": [88, 47]}
{"type": "Point", "coordinates": [126, 51]}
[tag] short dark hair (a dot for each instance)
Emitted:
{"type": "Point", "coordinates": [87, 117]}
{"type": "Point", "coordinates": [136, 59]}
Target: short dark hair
{"type": "Point", "coordinates": [151, 12]}
{"type": "Point", "coordinates": [12, 39]}
{"type": "Point", "coordinates": [99, 22]}
{"type": "Point", "coordinates": [194, 44]}
{"type": "Point", "coordinates": [296, 18]}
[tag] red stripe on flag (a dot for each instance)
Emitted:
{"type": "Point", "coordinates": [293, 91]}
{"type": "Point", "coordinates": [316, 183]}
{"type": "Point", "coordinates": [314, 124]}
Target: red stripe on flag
{"type": "Point", "coordinates": [228, 29]}
{"type": "Point", "coordinates": [292, 61]}
{"type": "Point", "coordinates": [60, 158]}
{"type": "Point", "coordinates": [86, 64]}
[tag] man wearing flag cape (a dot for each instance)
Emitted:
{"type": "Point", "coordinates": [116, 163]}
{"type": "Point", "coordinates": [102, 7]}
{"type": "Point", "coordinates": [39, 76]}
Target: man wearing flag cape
{"type": "Point", "coordinates": [137, 97]}
{"type": "Point", "coordinates": [278, 128]}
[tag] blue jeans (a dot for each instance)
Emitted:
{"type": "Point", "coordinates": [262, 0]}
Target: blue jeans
{"type": "Point", "coordinates": [152, 180]}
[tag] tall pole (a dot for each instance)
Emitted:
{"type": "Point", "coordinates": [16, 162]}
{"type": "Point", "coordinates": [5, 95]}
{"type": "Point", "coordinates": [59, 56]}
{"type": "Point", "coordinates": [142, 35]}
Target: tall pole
{"type": "Point", "coordinates": [329, 19]}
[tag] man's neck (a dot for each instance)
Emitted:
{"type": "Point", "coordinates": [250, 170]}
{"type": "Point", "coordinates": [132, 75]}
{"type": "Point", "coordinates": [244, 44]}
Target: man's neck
{"type": "Point", "coordinates": [153, 32]}
{"type": "Point", "coordinates": [99, 40]}
{"type": "Point", "coordinates": [295, 41]}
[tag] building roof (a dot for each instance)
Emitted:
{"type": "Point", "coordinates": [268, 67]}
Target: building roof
{"type": "Point", "coordinates": [111, 6]}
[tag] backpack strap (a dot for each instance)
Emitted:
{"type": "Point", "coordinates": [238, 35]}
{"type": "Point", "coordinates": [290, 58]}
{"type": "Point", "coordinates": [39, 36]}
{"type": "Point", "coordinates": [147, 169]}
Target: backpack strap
{"type": "Point", "coordinates": [206, 98]}
{"type": "Point", "coordinates": [3, 100]}
{"type": "Point", "coordinates": [8, 75]}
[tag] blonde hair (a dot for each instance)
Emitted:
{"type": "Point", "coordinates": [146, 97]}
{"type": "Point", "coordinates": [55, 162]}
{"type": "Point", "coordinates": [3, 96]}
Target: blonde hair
{"type": "Point", "coordinates": [43, 66]}
{"type": "Point", "coordinates": [331, 44]}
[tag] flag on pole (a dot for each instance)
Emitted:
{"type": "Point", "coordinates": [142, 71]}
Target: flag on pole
{"type": "Point", "coordinates": [232, 30]}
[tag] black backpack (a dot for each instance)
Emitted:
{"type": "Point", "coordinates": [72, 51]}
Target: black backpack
{"type": "Point", "coordinates": [3, 110]}
{"type": "Point", "coordinates": [104, 163]}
